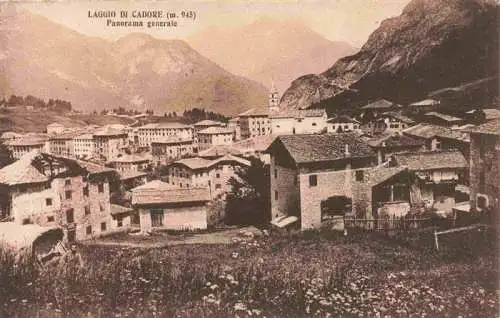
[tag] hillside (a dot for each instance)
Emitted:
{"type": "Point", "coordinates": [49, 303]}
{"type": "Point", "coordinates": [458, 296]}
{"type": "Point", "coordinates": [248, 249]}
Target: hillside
{"type": "Point", "coordinates": [272, 50]}
{"type": "Point", "coordinates": [433, 44]}
{"type": "Point", "coordinates": [21, 120]}
{"type": "Point", "coordinates": [137, 71]}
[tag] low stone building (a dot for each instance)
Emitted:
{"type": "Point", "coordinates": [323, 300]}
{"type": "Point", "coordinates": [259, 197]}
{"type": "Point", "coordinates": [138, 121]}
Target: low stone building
{"type": "Point", "coordinates": [204, 124]}
{"type": "Point", "coordinates": [299, 121]}
{"type": "Point", "coordinates": [427, 134]}
{"type": "Point", "coordinates": [26, 144]}
{"type": "Point", "coordinates": [343, 123]}
{"type": "Point", "coordinates": [129, 163]}
{"type": "Point", "coordinates": [387, 144]}
{"type": "Point", "coordinates": [161, 206]}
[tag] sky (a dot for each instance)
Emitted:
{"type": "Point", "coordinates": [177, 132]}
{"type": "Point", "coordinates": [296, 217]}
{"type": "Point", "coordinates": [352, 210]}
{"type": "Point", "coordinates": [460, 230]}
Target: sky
{"type": "Point", "coordinates": [351, 21]}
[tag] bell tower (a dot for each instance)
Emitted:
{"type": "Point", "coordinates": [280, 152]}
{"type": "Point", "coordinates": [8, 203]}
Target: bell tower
{"type": "Point", "coordinates": [274, 99]}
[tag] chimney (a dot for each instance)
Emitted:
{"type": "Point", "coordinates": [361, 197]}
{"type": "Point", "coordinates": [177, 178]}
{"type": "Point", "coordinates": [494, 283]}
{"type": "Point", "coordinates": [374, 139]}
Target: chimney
{"type": "Point", "coordinates": [347, 150]}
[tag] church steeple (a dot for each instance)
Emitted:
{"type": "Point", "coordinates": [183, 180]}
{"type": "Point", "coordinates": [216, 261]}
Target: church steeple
{"type": "Point", "coordinates": [274, 99]}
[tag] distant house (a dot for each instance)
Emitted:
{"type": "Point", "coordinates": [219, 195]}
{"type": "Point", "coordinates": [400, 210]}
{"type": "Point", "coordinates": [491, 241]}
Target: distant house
{"type": "Point", "coordinates": [234, 124]}
{"type": "Point", "coordinates": [199, 172]}
{"type": "Point", "coordinates": [427, 134]}
{"type": "Point", "coordinates": [55, 191]}
{"type": "Point", "coordinates": [298, 121]}
{"type": "Point", "coordinates": [9, 136]}
{"type": "Point", "coordinates": [256, 147]}
{"type": "Point", "coordinates": [485, 168]}
{"type": "Point", "coordinates": [62, 144]}
{"type": "Point", "coordinates": [160, 131]}
{"type": "Point", "coordinates": [109, 143]}
{"type": "Point", "coordinates": [214, 136]}
{"type": "Point", "coordinates": [386, 145]}
{"type": "Point", "coordinates": [343, 123]}
{"type": "Point", "coordinates": [438, 174]}
{"type": "Point", "coordinates": [167, 149]}
{"type": "Point", "coordinates": [162, 206]}
{"type": "Point", "coordinates": [423, 106]}
{"type": "Point", "coordinates": [83, 145]}
{"type": "Point", "coordinates": [455, 139]}
{"type": "Point", "coordinates": [26, 144]}
{"type": "Point", "coordinates": [254, 122]}
{"type": "Point", "coordinates": [204, 124]}
{"type": "Point", "coordinates": [55, 128]}
{"type": "Point", "coordinates": [378, 107]}
{"type": "Point", "coordinates": [130, 163]}
{"type": "Point", "coordinates": [443, 119]}
{"type": "Point", "coordinates": [388, 122]}
{"type": "Point", "coordinates": [218, 151]}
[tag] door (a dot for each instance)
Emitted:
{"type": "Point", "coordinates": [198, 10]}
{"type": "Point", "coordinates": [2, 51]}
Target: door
{"type": "Point", "coordinates": [71, 235]}
{"type": "Point", "coordinates": [156, 217]}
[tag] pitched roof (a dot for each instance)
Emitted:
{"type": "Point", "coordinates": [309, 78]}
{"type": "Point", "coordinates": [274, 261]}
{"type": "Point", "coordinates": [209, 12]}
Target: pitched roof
{"type": "Point", "coordinates": [489, 128]}
{"type": "Point", "coordinates": [342, 119]}
{"type": "Point", "coordinates": [400, 117]}
{"type": "Point", "coordinates": [393, 140]}
{"type": "Point", "coordinates": [455, 134]}
{"type": "Point", "coordinates": [379, 104]}
{"type": "Point", "coordinates": [297, 113]}
{"type": "Point", "coordinates": [22, 171]}
{"type": "Point", "coordinates": [255, 112]}
{"type": "Point", "coordinates": [10, 135]}
{"type": "Point", "coordinates": [64, 136]}
{"type": "Point", "coordinates": [172, 125]}
{"type": "Point", "coordinates": [91, 167]}
{"type": "Point", "coordinates": [127, 175]}
{"type": "Point", "coordinates": [258, 143]}
{"type": "Point", "coordinates": [28, 141]}
{"type": "Point", "coordinates": [491, 113]}
{"type": "Point", "coordinates": [202, 163]}
{"type": "Point", "coordinates": [426, 102]}
{"type": "Point", "coordinates": [208, 122]}
{"type": "Point", "coordinates": [84, 136]}
{"type": "Point", "coordinates": [214, 130]}
{"type": "Point", "coordinates": [431, 160]}
{"type": "Point", "coordinates": [118, 209]}
{"type": "Point", "coordinates": [326, 147]}
{"type": "Point", "coordinates": [172, 140]}
{"type": "Point", "coordinates": [425, 131]}
{"type": "Point", "coordinates": [444, 117]}
{"type": "Point", "coordinates": [219, 150]}
{"type": "Point", "coordinates": [381, 174]}
{"type": "Point", "coordinates": [234, 120]}
{"type": "Point", "coordinates": [109, 131]}
{"type": "Point", "coordinates": [130, 159]}
{"type": "Point", "coordinates": [161, 193]}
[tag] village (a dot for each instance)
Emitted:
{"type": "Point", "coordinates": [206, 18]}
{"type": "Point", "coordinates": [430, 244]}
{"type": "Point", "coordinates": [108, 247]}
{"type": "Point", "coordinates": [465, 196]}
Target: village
{"type": "Point", "coordinates": [386, 162]}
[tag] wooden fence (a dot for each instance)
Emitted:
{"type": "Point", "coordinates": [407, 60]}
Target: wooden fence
{"type": "Point", "coordinates": [397, 224]}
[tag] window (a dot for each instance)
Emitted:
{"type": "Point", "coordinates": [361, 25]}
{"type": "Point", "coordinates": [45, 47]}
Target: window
{"type": "Point", "coordinates": [88, 230]}
{"type": "Point", "coordinates": [50, 219]}
{"type": "Point", "coordinates": [360, 175]}
{"type": "Point", "coordinates": [70, 216]}
{"type": "Point", "coordinates": [68, 195]}
{"type": "Point", "coordinates": [86, 191]}
{"type": "Point", "coordinates": [275, 195]}
{"type": "Point", "coordinates": [314, 124]}
{"type": "Point", "coordinates": [101, 207]}
{"type": "Point", "coordinates": [100, 188]}
{"type": "Point", "coordinates": [86, 209]}
{"type": "Point", "coordinates": [217, 186]}
{"type": "Point", "coordinates": [103, 226]}
{"type": "Point", "coordinates": [275, 173]}
{"type": "Point", "coordinates": [48, 202]}
{"type": "Point", "coordinates": [217, 175]}
{"type": "Point", "coordinates": [295, 180]}
{"type": "Point", "coordinates": [23, 189]}
{"type": "Point", "coordinates": [313, 180]}
{"type": "Point", "coordinates": [67, 182]}
{"type": "Point", "coordinates": [119, 222]}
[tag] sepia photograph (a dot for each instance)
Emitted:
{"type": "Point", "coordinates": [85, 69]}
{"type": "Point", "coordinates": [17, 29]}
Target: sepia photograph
{"type": "Point", "coordinates": [262, 158]}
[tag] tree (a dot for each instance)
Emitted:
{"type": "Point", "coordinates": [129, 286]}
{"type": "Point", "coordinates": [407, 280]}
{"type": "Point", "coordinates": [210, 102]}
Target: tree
{"type": "Point", "coordinates": [248, 202]}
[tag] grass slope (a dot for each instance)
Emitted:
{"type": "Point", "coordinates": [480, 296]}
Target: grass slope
{"type": "Point", "coordinates": [308, 275]}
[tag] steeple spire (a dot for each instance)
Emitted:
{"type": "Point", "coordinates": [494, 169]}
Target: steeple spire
{"type": "Point", "coordinates": [274, 99]}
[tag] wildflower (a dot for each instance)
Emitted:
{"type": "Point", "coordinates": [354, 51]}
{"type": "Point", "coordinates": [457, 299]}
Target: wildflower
{"type": "Point", "coordinates": [239, 306]}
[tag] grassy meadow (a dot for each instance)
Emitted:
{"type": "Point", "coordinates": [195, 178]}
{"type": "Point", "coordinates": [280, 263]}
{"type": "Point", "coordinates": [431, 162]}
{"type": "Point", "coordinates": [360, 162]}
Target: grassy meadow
{"type": "Point", "coordinates": [310, 274]}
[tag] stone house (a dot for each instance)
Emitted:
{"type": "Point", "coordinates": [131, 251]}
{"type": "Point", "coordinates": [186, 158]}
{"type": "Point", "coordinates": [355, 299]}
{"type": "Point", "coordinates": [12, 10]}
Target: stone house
{"type": "Point", "coordinates": [455, 139]}
{"type": "Point", "coordinates": [317, 177]}
{"type": "Point", "coordinates": [343, 123]}
{"type": "Point", "coordinates": [204, 124]}
{"type": "Point", "coordinates": [212, 174]}
{"type": "Point", "coordinates": [234, 125]}
{"type": "Point", "coordinates": [62, 144]}
{"type": "Point", "coordinates": [214, 136]}
{"type": "Point", "coordinates": [161, 206]}
{"type": "Point", "coordinates": [56, 191]}
{"type": "Point", "coordinates": [385, 145]}
{"type": "Point", "coordinates": [129, 163]}
{"type": "Point", "coordinates": [55, 128]}
{"type": "Point", "coordinates": [422, 107]}
{"type": "Point", "coordinates": [388, 122]}
{"type": "Point", "coordinates": [485, 168]}
{"type": "Point", "coordinates": [298, 121]}
{"type": "Point", "coordinates": [168, 149]}
{"type": "Point", "coordinates": [254, 122]}
{"type": "Point", "coordinates": [374, 109]}
{"type": "Point", "coordinates": [427, 134]}
{"type": "Point", "coordinates": [441, 119]}
{"type": "Point", "coordinates": [437, 176]}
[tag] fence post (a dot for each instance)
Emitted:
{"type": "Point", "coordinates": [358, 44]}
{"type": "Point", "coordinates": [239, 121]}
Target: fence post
{"type": "Point", "coordinates": [436, 240]}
